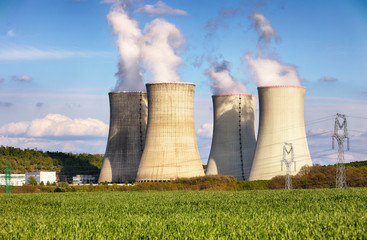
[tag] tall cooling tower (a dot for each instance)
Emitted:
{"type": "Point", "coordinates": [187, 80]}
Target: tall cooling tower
{"type": "Point", "coordinates": [234, 141]}
{"type": "Point", "coordinates": [281, 121]}
{"type": "Point", "coordinates": [128, 118]}
{"type": "Point", "coordinates": [170, 146]}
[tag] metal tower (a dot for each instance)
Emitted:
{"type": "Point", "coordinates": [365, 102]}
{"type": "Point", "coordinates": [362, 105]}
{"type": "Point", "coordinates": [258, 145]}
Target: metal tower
{"type": "Point", "coordinates": [288, 164]}
{"type": "Point", "coordinates": [341, 179]}
{"type": "Point", "coordinates": [7, 176]}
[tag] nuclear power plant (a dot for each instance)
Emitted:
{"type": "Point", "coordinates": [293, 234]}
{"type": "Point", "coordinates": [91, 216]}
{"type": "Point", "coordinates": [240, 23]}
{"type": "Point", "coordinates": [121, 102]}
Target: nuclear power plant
{"type": "Point", "coordinates": [234, 140]}
{"type": "Point", "coordinates": [170, 146]}
{"type": "Point", "coordinates": [152, 136]}
{"type": "Point", "coordinates": [281, 121]}
{"type": "Point", "coordinates": [128, 119]}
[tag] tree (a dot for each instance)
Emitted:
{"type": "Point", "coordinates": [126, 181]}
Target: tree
{"type": "Point", "coordinates": [32, 181]}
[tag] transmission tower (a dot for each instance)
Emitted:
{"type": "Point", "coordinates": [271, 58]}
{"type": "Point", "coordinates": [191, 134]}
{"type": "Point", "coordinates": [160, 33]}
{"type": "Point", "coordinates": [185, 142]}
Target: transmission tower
{"type": "Point", "coordinates": [341, 179]}
{"type": "Point", "coordinates": [288, 164]}
{"type": "Point", "coordinates": [7, 176]}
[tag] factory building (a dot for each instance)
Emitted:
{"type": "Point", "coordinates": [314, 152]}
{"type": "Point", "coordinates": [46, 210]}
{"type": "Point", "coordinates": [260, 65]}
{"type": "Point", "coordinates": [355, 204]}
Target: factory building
{"type": "Point", "coordinates": [16, 179]}
{"type": "Point", "coordinates": [41, 177]}
{"type": "Point", "coordinates": [170, 147]}
{"type": "Point", "coordinates": [128, 118]}
{"type": "Point", "coordinates": [234, 140]}
{"type": "Point", "coordinates": [281, 121]}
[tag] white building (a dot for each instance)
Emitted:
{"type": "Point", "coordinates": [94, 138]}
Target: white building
{"type": "Point", "coordinates": [42, 176]}
{"type": "Point", "coordinates": [81, 179]}
{"type": "Point", "coordinates": [16, 179]}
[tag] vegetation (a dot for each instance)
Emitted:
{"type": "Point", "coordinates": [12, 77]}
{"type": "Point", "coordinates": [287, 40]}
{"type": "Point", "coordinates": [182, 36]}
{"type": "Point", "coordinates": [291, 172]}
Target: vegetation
{"type": "Point", "coordinates": [65, 164]}
{"type": "Point", "coordinates": [322, 177]}
{"type": "Point", "coordinates": [357, 164]}
{"type": "Point", "coordinates": [297, 214]}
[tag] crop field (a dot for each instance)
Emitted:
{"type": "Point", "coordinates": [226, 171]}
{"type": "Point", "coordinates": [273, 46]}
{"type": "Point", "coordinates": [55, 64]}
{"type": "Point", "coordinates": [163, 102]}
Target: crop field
{"type": "Point", "coordinates": [258, 214]}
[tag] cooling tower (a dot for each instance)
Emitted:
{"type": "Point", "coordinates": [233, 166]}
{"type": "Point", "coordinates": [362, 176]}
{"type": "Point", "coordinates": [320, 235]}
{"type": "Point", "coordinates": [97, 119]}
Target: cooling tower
{"type": "Point", "coordinates": [234, 141]}
{"type": "Point", "coordinates": [170, 145]}
{"type": "Point", "coordinates": [281, 120]}
{"type": "Point", "coordinates": [128, 118]}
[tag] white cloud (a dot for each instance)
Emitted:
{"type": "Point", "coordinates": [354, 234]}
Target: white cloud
{"type": "Point", "coordinates": [107, 1]}
{"type": "Point", "coordinates": [56, 125]}
{"type": "Point", "coordinates": [11, 33]}
{"type": "Point", "coordinates": [205, 130]}
{"type": "Point", "coordinates": [332, 158]}
{"type": "Point", "coordinates": [24, 78]}
{"type": "Point", "coordinates": [328, 79]}
{"type": "Point", "coordinates": [320, 132]}
{"type": "Point", "coordinates": [6, 104]}
{"type": "Point", "coordinates": [160, 8]}
{"type": "Point", "coordinates": [76, 146]}
{"type": "Point", "coordinates": [31, 53]}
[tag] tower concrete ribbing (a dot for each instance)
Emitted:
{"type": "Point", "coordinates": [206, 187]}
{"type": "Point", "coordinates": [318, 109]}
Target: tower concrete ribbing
{"type": "Point", "coordinates": [281, 121]}
{"type": "Point", "coordinates": [234, 141]}
{"type": "Point", "coordinates": [128, 118]}
{"type": "Point", "coordinates": [170, 149]}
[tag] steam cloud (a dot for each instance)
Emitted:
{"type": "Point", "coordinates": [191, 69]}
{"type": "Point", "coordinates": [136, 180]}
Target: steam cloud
{"type": "Point", "coordinates": [266, 71]}
{"type": "Point", "coordinates": [161, 40]}
{"type": "Point", "coordinates": [130, 77]}
{"type": "Point", "coordinates": [264, 29]}
{"type": "Point", "coordinates": [222, 82]}
{"type": "Point", "coordinates": [154, 49]}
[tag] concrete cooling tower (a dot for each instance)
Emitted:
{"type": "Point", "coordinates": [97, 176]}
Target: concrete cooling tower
{"type": "Point", "coordinates": [281, 121]}
{"type": "Point", "coordinates": [128, 118]}
{"type": "Point", "coordinates": [170, 147]}
{"type": "Point", "coordinates": [234, 141]}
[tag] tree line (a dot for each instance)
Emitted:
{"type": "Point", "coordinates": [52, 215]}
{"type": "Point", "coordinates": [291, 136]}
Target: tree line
{"type": "Point", "coordinates": [66, 164]}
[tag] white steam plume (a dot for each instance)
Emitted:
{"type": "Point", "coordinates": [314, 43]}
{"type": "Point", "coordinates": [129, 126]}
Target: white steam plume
{"type": "Point", "coordinates": [130, 77]}
{"type": "Point", "coordinates": [160, 44]}
{"type": "Point", "coordinates": [222, 81]}
{"type": "Point", "coordinates": [264, 29]}
{"type": "Point", "coordinates": [269, 72]}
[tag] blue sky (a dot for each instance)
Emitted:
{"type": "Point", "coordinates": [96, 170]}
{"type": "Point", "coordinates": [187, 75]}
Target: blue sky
{"type": "Point", "coordinates": [58, 61]}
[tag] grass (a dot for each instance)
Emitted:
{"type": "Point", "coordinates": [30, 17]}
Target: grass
{"type": "Point", "coordinates": [258, 214]}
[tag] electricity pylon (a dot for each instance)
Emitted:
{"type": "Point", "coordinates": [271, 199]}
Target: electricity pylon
{"type": "Point", "coordinates": [288, 164]}
{"type": "Point", "coordinates": [341, 179]}
{"type": "Point", "coordinates": [7, 176]}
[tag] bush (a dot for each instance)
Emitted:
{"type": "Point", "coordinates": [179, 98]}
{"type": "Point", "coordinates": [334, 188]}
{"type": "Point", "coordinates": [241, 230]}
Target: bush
{"type": "Point", "coordinates": [32, 181]}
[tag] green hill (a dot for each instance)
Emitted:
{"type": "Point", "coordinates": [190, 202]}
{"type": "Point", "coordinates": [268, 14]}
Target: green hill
{"type": "Point", "coordinates": [65, 164]}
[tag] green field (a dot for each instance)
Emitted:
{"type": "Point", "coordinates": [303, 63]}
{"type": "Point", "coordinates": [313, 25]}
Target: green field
{"type": "Point", "coordinates": [259, 214]}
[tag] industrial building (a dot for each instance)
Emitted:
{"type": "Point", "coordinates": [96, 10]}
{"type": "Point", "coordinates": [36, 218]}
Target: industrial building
{"type": "Point", "coordinates": [16, 179]}
{"type": "Point", "coordinates": [41, 177]}
{"type": "Point", "coordinates": [170, 147]}
{"type": "Point", "coordinates": [81, 179]}
{"type": "Point", "coordinates": [128, 119]}
{"type": "Point", "coordinates": [234, 140]}
{"type": "Point", "coordinates": [281, 121]}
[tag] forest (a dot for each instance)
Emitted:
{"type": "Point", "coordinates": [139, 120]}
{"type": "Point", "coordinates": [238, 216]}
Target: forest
{"type": "Point", "coordinates": [65, 164]}
{"type": "Point", "coordinates": [68, 165]}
